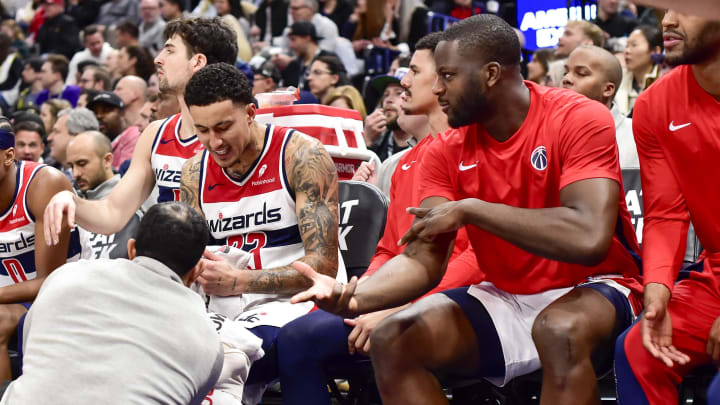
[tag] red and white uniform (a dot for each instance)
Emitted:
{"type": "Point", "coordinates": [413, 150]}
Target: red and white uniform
{"type": "Point", "coordinates": [405, 192]}
{"type": "Point", "coordinates": [256, 213]}
{"type": "Point", "coordinates": [17, 232]}
{"type": "Point", "coordinates": [169, 154]}
{"type": "Point", "coordinates": [676, 125]}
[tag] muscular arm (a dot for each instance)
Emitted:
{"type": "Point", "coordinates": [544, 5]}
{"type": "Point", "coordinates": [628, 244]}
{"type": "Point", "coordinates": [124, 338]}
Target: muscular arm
{"type": "Point", "coordinates": [110, 214]}
{"type": "Point", "coordinates": [313, 177]}
{"type": "Point", "coordinates": [190, 182]}
{"type": "Point", "coordinates": [46, 183]}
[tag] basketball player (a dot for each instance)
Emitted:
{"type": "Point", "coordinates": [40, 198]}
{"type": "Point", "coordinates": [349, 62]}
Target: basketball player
{"type": "Point", "coordinates": [676, 125]}
{"type": "Point", "coordinates": [532, 174]}
{"type": "Point", "coordinates": [270, 191]}
{"type": "Point", "coordinates": [164, 146]}
{"type": "Point", "coordinates": [25, 258]}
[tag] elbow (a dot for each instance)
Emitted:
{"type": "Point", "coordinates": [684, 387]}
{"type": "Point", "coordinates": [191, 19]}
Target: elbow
{"type": "Point", "coordinates": [593, 250]}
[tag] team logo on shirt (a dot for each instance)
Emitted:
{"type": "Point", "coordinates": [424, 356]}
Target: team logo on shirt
{"type": "Point", "coordinates": [262, 170]}
{"type": "Point", "coordinates": [539, 159]}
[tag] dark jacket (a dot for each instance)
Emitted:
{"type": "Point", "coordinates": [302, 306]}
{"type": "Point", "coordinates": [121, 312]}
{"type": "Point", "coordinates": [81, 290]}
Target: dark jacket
{"type": "Point", "coordinates": [59, 35]}
{"type": "Point", "coordinates": [278, 16]}
{"type": "Point", "coordinates": [293, 75]}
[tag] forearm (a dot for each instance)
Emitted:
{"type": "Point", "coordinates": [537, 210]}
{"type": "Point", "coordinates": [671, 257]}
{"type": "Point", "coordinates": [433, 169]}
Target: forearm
{"type": "Point", "coordinates": [558, 233]}
{"type": "Point", "coordinates": [21, 292]}
{"type": "Point", "coordinates": [101, 216]}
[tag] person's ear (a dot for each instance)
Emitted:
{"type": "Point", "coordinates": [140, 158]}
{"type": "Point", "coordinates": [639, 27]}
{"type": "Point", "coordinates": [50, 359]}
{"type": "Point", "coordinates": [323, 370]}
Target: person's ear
{"type": "Point", "coordinates": [335, 80]}
{"type": "Point", "coordinates": [250, 110]}
{"type": "Point", "coordinates": [107, 160]}
{"type": "Point", "coordinates": [132, 253]}
{"type": "Point", "coordinates": [9, 157]}
{"type": "Point", "coordinates": [608, 90]}
{"type": "Point", "coordinates": [492, 73]}
{"type": "Point", "coordinates": [199, 61]}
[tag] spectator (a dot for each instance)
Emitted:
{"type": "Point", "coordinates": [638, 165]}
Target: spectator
{"type": "Point", "coordinates": [611, 21]}
{"type": "Point", "coordinates": [325, 73]}
{"type": "Point", "coordinates": [576, 33]}
{"type": "Point", "coordinates": [382, 133]}
{"type": "Point", "coordinates": [108, 108]}
{"type": "Point", "coordinates": [59, 34]}
{"type": "Point", "coordinates": [153, 85]}
{"type": "Point", "coordinates": [96, 50]}
{"type": "Point", "coordinates": [32, 83]}
{"type": "Point", "coordinates": [338, 11]}
{"type": "Point", "coordinates": [304, 43]}
{"type": "Point", "coordinates": [116, 12]}
{"type": "Point", "coordinates": [266, 79]}
{"type": "Point", "coordinates": [85, 96]}
{"type": "Point", "coordinates": [232, 14]}
{"type": "Point", "coordinates": [111, 65]}
{"type": "Point", "coordinates": [16, 34]}
{"type": "Point", "coordinates": [173, 9]}
{"type": "Point", "coordinates": [307, 10]}
{"type": "Point", "coordinates": [146, 113]}
{"type": "Point", "coordinates": [132, 91]}
{"type": "Point", "coordinates": [641, 70]}
{"type": "Point", "coordinates": [90, 159]}
{"type": "Point", "coordinates": [29, 141]}
{"type": "Point", "coordinates": [539, 65]}
{"type": "Point", "coordinates": [134, 60]}
{"type": "Point", "coordinates": [365, 23]}
{"type": "Point", "coordinates": [149, 289]}
{"type": "Point", "coordinates": [11, 69]}
{"type": "Point", "coordinates": [167, 105]}
{"type": "Point", "coordinates": [346, 97]}
{"type": "Point", "coordinates": [85, 12]}
{"type": "Point", "coordinates": [49, 111]}
{"type": "Point", "coordinates": [271, 18]}
{"type": "Point", "coordinates": [204, 9]}
{"type": "Point", "coordinates": [126, 33]}
{"type": "Point", "coordinates": [95, 78]}
{"type": "Point", "coordinates": [70, 122]}
{"type": "Point", "coordinates": [151, 26]}
{"type": "Point", "coordinates": [54, 73]}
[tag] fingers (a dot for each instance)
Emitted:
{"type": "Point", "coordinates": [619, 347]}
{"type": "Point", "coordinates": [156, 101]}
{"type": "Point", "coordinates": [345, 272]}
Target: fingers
{"type": "Point", "coordinates": [346, 293]}
{"type": "Point", "coordinates": [212, 256]}
{"type": "Point", "coordinates": [303, 296]}
{"type": "Point", "coordinates": [305, 270]}
{"type": "Point", "coordinates": [418, 212]}
{"type": "Point", "coordinates": [675, 355]}
{"type": "Point", "coordinates": [361, 341]}
{"type": "Point", "coordinates": [412, 233]}
{"type": "Point", "coordinates": [352, 338]}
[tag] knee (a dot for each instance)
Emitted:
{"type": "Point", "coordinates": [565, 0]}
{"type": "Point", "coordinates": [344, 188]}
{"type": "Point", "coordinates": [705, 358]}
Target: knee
{"type": "Point", "coordinates": [561, 337]}
{"type": "Point", "coordinates": [301, 340]}
{"type": "Point", "coordinates": [8, 323]}
{"type": "Point", "coordinates": [386, 335]}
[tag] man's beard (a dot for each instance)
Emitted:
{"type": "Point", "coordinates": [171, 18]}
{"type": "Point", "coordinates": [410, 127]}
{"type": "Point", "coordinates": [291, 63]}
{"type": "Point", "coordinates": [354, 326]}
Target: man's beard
{"type": "Point", "coordinates": [700, 50]}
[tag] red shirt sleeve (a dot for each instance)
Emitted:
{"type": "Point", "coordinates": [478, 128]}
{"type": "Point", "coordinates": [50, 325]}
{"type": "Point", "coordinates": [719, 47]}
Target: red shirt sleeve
{"type": "Point", "coordinates": [439, 178]}
{"type": "Point", "coordinates": [588, 145]}
{"type": "Point", "coordinates": [666, 214]}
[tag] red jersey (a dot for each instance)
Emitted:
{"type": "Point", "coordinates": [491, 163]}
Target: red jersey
{"type": "Point", "coordinates": [676, 125]}
{"type": "Point", "coordinates": [405, 192]}
{"type": "Point", "coordinates": [565, 138]}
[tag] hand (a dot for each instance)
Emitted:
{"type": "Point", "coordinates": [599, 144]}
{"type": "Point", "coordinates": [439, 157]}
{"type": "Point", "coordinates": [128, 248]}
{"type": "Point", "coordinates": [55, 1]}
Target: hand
{"type": "Point", "coordinates": [713, 345]}
{"type": "Point", "coordinates": [281, 61]}
{"type": "Point", "coordinates": [60, 204]}
{"type": "Point", "coordinates": [255, 31]}
{"type": "Point", "coordinates": [444, 218]}
{"type": "Point", "coordinates": [360, 44]}
{"type": "Point", "coordinates": [366, 172]}
{"type": "Point", "coordinates": [218, 277]}
{"type": "Point", "coordinates": [326, 292]}
{"type": "Point", "coordinates": [359, 338]}
{"type": "Point", "coordinates": [656, 326]}
{"type": "Point", "coordinates": [375, 124]}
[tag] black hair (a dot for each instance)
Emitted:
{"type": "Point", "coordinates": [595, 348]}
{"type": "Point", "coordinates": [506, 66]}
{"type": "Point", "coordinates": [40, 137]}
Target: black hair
{"type": "Point", "coordinates": [179, 3]}
{"type": "Point", "coordinates": [429, 41]}
{"type": "Point", "coordinates": [35, 63]}
{"type": "Point", "coordinates": [174, 234]}
{"type": "Point", "coordinates": [336, 67]}
{"type": "Point", "coordinates": [236, 9]}
{"type": "Point", "coordinates": [31, 126]}
{"type": "Point", "coordinates": [652, 35]}
{"type": "Point", "coordinates": [92, 30]}
{"type": "Point", "coordinates": [144, 63]}
{"type": "Point", "coordinates": [85, 63]}
{"type": "Point", "coordinates": [129, 28]}
{"type": "Point", "coordinates": [5, 43]}
{"type": "Point", "coordinates": [488, 37]}
{"type": "Point", "coordinates": [208, 36]}
{"type": "Point", "coordinates": [101, 75]}
{"type": "Point", "coordinates": [218, 82]}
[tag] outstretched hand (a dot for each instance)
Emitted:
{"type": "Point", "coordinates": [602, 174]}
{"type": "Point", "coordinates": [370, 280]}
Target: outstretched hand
{"type": "Point", "coordinates": [430, 222]}
{"type": "Point", "coordinates": [326, 292]}
{"type": "Point", "coordinates": [656, 329]}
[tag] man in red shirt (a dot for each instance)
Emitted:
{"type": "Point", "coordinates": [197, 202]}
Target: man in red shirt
{"type": "Point", "coordinates": [532, 174]}
{"type": "Point", "coordinates": [676, 125]}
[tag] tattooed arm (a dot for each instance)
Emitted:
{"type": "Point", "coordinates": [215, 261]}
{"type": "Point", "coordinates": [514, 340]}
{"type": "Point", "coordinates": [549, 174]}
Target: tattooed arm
{"type": "Point", "coordinates": [190, 182]}
{"type": "Point", "coordinates": [313, 178]}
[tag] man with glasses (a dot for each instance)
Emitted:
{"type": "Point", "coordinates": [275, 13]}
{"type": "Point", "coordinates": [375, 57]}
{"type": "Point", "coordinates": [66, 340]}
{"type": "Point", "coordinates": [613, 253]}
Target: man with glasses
{"type": "Point", "coordinates": [266, 78]}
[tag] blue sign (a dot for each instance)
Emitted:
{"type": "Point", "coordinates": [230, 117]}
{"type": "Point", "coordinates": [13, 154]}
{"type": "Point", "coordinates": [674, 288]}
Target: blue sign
{"type": "Point", "coordinates": [543, 21]}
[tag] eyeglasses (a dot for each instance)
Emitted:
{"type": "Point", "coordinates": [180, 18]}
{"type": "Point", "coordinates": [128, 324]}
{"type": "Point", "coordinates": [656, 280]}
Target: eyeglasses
{"type": "Point", "coordinates": [317, 72]}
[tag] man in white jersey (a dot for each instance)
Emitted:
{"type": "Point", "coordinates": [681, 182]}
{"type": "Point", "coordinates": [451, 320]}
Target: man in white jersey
{"type": "Point", "coordinates": [191, 45]}
{"type": "Point", "coordinates": [25, 259]}
{"type": "Point", "coordinates": [271, 191]}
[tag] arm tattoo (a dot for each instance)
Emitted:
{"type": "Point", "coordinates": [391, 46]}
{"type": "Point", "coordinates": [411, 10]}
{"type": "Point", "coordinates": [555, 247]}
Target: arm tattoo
{"type": "Point", "coordinates": [313, 177]}
{"type": "Point", "coordinates": [190, 182]}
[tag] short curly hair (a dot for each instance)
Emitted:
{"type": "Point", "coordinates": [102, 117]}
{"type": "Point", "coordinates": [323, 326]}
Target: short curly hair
{"type": "Point", "coordinates": [208, 36]}
{"type": "Point", "coordinates": [216, 83]}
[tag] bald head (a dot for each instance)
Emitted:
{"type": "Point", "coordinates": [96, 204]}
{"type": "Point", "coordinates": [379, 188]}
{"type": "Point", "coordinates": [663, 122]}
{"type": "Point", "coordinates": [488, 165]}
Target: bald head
{"type": "Point", "coordinates": [89, 155]}
{"type": "Point", "coordinates": [593, 72]}
{"type": "Point", "coordinates": [131, 89]}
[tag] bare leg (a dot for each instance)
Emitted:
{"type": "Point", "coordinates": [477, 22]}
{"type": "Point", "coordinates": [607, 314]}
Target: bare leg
{"type": "Point", "coordinates": [10, 315]}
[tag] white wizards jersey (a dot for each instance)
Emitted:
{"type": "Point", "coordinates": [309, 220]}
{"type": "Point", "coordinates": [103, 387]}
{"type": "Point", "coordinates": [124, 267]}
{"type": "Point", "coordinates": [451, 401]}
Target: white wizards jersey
{"type": "Point", "coordinates": [169, 154]}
